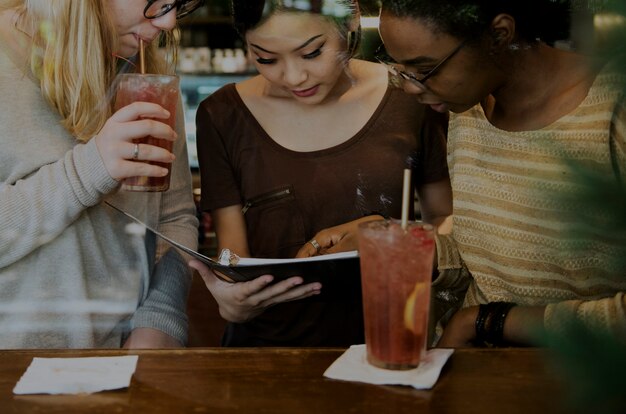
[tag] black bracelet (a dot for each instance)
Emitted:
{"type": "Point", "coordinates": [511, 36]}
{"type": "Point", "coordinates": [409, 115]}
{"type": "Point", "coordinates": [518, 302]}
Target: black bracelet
{"type": "Point", "coordinates": [490, 323]}
{"type": "Point", "coordinates": [480, 324]}
{"type": "Point", "coordinates": [496, 330]}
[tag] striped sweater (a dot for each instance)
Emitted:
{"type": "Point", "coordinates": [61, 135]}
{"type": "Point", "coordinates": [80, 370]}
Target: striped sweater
{"type": "Point", "coordinates": [512, 229]}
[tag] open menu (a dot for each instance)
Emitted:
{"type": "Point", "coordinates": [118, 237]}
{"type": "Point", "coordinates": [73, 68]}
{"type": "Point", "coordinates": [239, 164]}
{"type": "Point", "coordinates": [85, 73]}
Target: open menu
{"type": "Point", "coordinates": [311, 269]}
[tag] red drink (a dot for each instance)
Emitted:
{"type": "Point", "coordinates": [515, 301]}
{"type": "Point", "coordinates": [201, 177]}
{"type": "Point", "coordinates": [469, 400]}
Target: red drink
{"type": "Point", "coordinates": [159, 89]}
{"type": "Point", "coordinates": [396, 272]}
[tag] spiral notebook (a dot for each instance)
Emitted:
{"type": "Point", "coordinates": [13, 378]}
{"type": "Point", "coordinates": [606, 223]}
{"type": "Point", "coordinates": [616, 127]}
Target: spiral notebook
{"type": "Point", "coordinates": [312, 269]}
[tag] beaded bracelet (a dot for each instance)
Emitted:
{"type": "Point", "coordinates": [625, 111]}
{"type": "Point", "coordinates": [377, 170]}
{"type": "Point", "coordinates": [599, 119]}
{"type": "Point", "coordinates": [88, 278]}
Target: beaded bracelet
{"type": "Point", "coordinates": [489, 323]}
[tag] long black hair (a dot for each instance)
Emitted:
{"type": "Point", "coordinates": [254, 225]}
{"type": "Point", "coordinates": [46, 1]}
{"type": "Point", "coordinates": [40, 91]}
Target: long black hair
{"type": "Point", "coordinates": [545, 20]}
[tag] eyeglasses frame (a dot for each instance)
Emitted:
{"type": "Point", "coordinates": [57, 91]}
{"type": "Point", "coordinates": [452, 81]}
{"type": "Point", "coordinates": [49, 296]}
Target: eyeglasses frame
{"type": "Point", "coordinates": [410, 76]}
{"type": "Point", "coordinates": [169, 7]}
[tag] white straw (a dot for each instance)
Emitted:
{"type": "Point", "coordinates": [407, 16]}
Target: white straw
{"type": "Point", "coordinates": [406, 188]}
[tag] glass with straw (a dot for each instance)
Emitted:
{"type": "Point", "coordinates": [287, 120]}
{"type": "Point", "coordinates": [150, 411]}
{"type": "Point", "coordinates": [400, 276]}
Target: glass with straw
{"type": "Point", "coordinates": [396, 269]}
{"type": "Point", "coordinates": [162, 90]}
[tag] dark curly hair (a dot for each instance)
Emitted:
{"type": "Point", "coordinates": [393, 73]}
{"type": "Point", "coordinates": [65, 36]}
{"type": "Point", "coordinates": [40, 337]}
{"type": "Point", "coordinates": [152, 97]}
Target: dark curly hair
{"type": "Point", "coordinates": [545, 20]}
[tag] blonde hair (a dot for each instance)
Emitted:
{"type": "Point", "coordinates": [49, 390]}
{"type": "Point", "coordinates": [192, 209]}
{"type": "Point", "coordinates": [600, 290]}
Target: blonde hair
{"type": "Point", "coordinates": [72, 55]}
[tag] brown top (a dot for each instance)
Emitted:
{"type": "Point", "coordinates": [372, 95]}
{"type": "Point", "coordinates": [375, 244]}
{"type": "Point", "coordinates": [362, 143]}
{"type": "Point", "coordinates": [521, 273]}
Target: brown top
{"type": "Point", "coordinates": [289, 196]}
{"type": "Point", "coordinates": [292, 195]}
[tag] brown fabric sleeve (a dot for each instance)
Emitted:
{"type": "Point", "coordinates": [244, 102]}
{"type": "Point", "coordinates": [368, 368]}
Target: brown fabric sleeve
{"type": "Point", "coordinates": [218, 180]}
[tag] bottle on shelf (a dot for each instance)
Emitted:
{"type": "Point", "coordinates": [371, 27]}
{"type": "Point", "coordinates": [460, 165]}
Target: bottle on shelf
{"type": "Point", "coordinates": [229, 64]}
{"type": "Point", "coordinates": [218, 60]}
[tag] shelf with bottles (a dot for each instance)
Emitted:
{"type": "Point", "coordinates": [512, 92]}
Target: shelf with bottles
{"type": "Point", "coordinates": [205, 61]}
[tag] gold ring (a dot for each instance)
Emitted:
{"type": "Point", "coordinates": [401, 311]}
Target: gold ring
{"type": "Point", "coordinates": [315, 244]}
{"type": "Point", "coordinates": [136, 151]}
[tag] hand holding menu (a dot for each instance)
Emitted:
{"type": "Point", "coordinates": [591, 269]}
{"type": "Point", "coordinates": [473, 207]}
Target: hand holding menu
{"type": "Point", "coordinates": [311, 269]}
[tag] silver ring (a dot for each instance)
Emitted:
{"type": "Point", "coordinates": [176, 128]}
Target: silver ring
{"type": "Point", "coordinates": [315, 244]}
{"type": "Point", "coordinates": [136, 151]}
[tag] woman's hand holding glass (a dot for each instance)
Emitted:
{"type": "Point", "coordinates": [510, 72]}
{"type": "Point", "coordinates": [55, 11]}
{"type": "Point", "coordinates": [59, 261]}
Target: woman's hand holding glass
{"type": "Point", "coordinates": [240, 302]}
{"type": "Point", "coordinates": [123, 158]}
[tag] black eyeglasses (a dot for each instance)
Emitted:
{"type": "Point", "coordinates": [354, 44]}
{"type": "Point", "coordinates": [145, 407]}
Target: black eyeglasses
{"type": "Point", "coordinates": [157, 8]}
{"type": "Point", "coordinates": [399, 70]}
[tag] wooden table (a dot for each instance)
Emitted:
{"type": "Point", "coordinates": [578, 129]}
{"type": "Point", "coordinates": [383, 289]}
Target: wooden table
{"type": "Point", "coordinates": [290, 381]}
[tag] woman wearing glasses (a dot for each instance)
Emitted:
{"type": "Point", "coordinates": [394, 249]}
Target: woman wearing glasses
{"type": "Point", "coordinates": [317, 140]}
{"type": "Point", "coordinates": [73, 273]}
{"type": "Point", "coordinates": [525, 117]}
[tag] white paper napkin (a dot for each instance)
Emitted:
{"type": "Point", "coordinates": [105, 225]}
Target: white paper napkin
{"type": "Point", "coordinates": [352, 365]}
{"type": "Point", "coordinates": [76, 375]}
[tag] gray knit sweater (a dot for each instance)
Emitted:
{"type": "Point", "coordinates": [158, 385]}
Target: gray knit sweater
{"type": "Point", "coordinates": [73, 272]}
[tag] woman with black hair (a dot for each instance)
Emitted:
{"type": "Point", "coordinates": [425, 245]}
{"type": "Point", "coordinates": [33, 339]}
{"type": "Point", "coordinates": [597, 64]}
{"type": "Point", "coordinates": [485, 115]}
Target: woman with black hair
{"type": "Point", "coordinates": [316, 141]}
{"type": "Point", "coordinates": [525, 116]}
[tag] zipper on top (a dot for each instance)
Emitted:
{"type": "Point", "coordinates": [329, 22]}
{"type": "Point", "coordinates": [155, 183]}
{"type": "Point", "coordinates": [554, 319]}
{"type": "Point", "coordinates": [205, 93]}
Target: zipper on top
{"type": "Point", "coordinates": [265, 198]}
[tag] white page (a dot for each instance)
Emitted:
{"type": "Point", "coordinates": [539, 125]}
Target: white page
{"type": "Point", "coordinates": [250, 261]}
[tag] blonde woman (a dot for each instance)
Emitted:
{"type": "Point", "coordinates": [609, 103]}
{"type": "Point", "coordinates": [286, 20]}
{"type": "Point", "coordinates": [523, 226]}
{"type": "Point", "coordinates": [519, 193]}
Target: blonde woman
{"type": "Point", "coordinates": [72, 272]}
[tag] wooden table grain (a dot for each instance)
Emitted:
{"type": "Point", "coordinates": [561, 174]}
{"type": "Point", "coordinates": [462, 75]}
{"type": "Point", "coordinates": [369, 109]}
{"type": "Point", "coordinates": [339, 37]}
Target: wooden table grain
{"type": "Point", "coordinates": [286, 380]}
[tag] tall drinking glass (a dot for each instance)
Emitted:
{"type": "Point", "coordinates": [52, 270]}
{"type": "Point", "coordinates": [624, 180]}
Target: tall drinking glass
{"type": "Point", "coordinates": [396, 272]}
{"type": "Point", "coordinates": [159, 89]}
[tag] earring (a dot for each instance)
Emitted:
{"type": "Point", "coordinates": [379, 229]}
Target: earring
{"type": "Point", "coordinates": [353, 41]}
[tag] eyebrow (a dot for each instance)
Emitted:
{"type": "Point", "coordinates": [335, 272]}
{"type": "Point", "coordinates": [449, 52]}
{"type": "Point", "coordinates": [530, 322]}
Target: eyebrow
{"type": "Point", "coordinates": [302, 46]}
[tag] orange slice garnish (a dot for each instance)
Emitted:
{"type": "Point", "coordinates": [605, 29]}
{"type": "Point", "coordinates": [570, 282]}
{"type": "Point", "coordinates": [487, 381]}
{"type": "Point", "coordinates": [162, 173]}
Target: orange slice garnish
{"type": "Point", "coordinates": [410, 321]}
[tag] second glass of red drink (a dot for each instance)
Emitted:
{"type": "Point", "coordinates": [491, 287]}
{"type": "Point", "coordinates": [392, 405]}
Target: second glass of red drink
{"type": "Point", "coordinates": [396, 272]}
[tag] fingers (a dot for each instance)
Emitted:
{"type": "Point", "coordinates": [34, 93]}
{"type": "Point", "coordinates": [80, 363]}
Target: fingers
{"type": "Point", "coordinates": [143, 169]}
{"type": "Point", "coordinates": [324, 242]}
{"type": "Point", "coordinates": [336, 249]}
{"type": "Point", "coordinates": [143, 119]}
{"type": "Point", "coordinates": [140, 128]}
{"type": "Point", "coordinates": [288, 289]}
{"type": "Point", "coordinates": [131, 159]}
{"type": "Point", "coordinates": [143, 152]}
{"type": "Point", "coordinates": [307, 250]}
{"type": "Point", "coordinates": [207, 275]}
{"type": "Point", "coordinates": [246, 290]}
{"type": "Point", "coordinates": [137, 121]}
{"type": "Point", "coordinates": [259, 291]}
{"type": "Point", "coordinates": [317, 245]}
{"type": "Point", "coordinates": [138, 110]}
{"type": "Point", "coordinates": [241, 291]}
{"type": "Point", "coordinates": [295, 293]}
{"type": "Point", "coordinates": [138, 125]}
{"type": "Point", "coordinates": [344, 245]}
{"type": "Point", "coordinates": [241, 301]}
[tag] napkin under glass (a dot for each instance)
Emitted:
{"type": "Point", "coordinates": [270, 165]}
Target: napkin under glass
{"type": "Point", "coordinates": [352, 365]}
